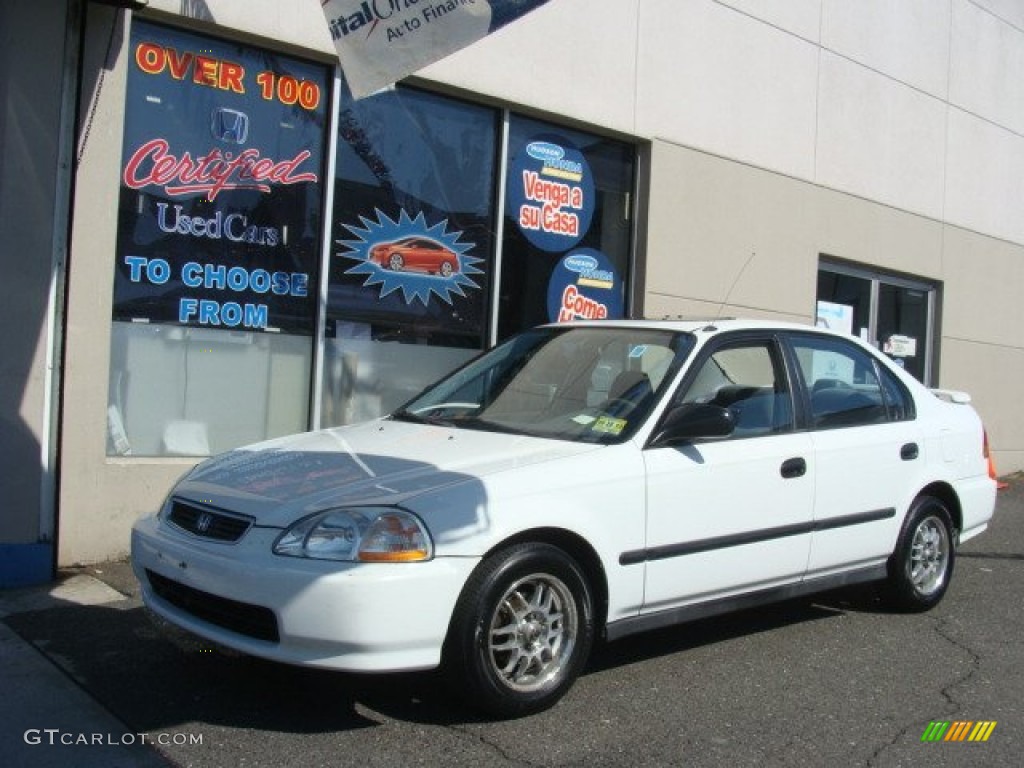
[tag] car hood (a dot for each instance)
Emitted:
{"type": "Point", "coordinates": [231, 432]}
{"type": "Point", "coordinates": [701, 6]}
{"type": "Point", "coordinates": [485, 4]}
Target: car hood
{"type": "Point", "coordinates": [380, 462]}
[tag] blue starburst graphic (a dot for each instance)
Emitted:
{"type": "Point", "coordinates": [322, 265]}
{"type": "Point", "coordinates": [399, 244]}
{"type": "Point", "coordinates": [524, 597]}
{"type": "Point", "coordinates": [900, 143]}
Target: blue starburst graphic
{"type": "Point", "coordinates": [411, 257]}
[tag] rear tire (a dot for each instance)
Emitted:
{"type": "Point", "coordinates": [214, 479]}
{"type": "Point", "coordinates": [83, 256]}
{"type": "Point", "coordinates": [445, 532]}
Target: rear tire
{"type": "Point", "coordinates": [921, 566]}
{"type": "Point", "coordinates": [521, 632]}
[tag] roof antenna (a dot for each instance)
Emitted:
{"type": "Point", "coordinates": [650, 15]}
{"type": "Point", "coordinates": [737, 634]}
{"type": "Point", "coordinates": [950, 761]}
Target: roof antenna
{"type": "Point", "coordinates": [735, 280]}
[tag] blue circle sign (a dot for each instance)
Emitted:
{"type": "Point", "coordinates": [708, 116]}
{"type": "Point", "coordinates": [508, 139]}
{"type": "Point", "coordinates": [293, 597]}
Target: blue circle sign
{"type": "Point", "coordinates": [584, 286]}
{"type": "Point", "coordinates": [551, 193]}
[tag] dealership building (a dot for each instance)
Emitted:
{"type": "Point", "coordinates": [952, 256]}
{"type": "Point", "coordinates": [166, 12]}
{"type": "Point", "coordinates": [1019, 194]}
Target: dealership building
{"type": "Point", "coordinates": [206, 241]}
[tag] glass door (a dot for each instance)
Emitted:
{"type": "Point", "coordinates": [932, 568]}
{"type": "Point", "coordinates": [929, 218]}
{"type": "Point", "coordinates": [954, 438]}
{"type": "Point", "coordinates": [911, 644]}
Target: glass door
{"type": "Point", "coordinates": [894, 313]}
{"type": "Point", "coordinates": [903, 326]}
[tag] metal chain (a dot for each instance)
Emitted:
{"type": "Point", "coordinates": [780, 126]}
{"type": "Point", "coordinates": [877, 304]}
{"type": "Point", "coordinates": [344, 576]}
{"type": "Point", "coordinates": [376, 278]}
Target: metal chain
{"type": "Point", "coordinates": [87, 128]}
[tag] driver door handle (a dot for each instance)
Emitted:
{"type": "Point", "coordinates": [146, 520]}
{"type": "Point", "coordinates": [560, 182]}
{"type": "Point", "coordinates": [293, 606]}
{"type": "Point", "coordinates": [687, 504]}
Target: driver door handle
{"type": "Point", "coordinates": [793, 468]}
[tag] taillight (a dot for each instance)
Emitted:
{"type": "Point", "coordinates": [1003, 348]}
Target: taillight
{"type": "Point", "coordinates": [987, 453]}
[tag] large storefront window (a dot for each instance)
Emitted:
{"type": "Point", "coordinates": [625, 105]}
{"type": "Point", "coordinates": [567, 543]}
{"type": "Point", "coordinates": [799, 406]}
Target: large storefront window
{"type": "Point", "coordinates": [895, 313]}
{"type": "Point", "coordinates": [218, 292]}
{"type": "Point", "coordinates": [568, 226]}
{"type": "Point", "coordinates": [410, 281]}
{"type": "Point", "coordinates": [217, 256]}
{"type": "Point", "coordinates": [413, 224]}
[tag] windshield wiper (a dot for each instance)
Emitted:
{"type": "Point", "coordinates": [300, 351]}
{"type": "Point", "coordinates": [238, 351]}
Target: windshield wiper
{"type": "Point", "coordinates": [489, 426]}
{"type": "Point", "coordinates": [416, 418]}
{"type": "Point", "coordinates": [464, 422]}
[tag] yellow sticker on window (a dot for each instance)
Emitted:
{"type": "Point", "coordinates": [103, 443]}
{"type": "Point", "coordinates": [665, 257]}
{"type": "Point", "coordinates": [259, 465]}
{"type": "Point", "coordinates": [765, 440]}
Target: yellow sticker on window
{"type": "Point", "coordinates": [609, 426]}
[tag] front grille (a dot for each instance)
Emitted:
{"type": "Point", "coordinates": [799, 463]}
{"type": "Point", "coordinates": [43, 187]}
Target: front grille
{"type": "Point", "coordinates": [208, 522]}
{"type": "Point", "coordinates": [243, 618]}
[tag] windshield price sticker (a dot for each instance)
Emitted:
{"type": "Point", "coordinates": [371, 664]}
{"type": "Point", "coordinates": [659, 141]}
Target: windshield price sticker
{"type": "Point", "coordinates": [607, 425]}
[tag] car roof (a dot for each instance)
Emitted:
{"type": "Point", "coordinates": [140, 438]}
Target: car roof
{"type": "Point", "coordinates": [707, 325]}
{"type": "Point", "coordinates": [705, 329]}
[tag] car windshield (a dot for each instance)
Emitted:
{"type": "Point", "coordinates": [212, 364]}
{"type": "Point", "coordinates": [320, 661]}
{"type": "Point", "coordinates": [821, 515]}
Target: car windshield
{"type": "Point", "coordinates": [594, 384]}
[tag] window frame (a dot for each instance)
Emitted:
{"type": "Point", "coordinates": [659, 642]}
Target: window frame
{"type": "Point", "coordinates": [880, 370]}
{"type": "Point", "coordinates": [774, 343]}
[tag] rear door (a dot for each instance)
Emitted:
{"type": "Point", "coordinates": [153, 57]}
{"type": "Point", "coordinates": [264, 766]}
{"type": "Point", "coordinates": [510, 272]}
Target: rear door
{"type": "Point", "coordinates": [868, 451]}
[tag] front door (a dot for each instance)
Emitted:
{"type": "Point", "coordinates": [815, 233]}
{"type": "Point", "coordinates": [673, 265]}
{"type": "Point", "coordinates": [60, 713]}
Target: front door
{"type": "Point", "coordinates": [733, 514]}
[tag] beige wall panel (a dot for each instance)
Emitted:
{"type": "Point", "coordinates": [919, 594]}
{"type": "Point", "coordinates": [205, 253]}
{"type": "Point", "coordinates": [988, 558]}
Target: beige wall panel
{"type": "Point", "coordinates": [984, 177]}
{"type": "Point", "coordinates": [987, 66]}
{"type": "Point", "coordinates": [1010, 11]}
{"type": "Point", "coordinates": [570, 57]}
{"type": "Point", "coordinates": [707, 216]}
{"type": "Point", "coordinates": [879, 139]}
{"type": "Point", "coordinates": [992, 375]}
{"type": "Point", "coordinates": [659, 306]}
{"type": "Point", "coordinates": [983, 280]}
{"type": "Point", "coordinates": [110, 496]}
{"type": "Point", "coordinates": [859, 230]}
{"type": "Point", "coordinates": [293, 22]}
{"type": "Point", "coordinates": [906, 40]}
{"type": "Point", "coordinates": [718, 80]}
{"type": "Point", "coordinates": [801, 17]}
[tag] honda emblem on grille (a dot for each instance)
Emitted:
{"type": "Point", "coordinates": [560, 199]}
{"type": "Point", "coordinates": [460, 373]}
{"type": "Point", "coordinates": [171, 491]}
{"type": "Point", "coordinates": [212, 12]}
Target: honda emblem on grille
{"type": "Point", "coordinates": [203, 522]}
{"type": "Point", "coordinates": [230, 126]}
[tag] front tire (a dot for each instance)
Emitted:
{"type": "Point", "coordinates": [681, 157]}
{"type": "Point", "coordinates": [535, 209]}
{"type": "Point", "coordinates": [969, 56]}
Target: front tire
{"type": "Point", "coordinates": [921, 566]}
{"type": "Point", "coordinates": [522, 630]}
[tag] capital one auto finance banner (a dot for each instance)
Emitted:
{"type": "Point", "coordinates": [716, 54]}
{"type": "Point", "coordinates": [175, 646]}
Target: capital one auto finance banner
{"type": "Point", "coordinates": [220, 203]}
{"type": "Point", "coordinates": [381, 41]}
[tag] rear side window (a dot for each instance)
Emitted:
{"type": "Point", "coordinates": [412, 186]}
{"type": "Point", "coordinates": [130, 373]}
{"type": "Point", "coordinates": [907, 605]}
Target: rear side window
{"type": "Point", "coordinates": [844, 385]}
{"type": "Point", "coordinates": [897, 398]}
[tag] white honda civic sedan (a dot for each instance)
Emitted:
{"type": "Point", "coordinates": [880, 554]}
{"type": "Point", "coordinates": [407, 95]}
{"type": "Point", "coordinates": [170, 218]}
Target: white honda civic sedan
{"type": "Point", "coordinates": [577, 482]}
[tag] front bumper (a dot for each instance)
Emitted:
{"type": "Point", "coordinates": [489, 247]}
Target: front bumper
{"type": "Point", "coordinates": [366, 617]}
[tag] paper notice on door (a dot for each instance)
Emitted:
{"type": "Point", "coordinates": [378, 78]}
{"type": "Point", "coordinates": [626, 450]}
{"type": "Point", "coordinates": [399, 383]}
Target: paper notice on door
{"type": "Point", "coordinates": [900, 346]}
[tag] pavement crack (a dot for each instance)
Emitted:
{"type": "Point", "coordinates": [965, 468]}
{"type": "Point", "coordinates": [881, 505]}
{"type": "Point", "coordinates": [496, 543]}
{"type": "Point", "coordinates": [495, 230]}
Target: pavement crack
{"type": "Point", "coordinates": [939, 626]}
{"type": "Point", "coordinates": [975, 665]}
{"type": "Point", "coordinates": [499, 750]}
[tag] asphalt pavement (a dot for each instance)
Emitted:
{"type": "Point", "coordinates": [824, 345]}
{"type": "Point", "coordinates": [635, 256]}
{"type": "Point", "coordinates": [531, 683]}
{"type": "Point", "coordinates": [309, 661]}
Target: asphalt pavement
{"type": "Point", "coordinates": [87, 679]}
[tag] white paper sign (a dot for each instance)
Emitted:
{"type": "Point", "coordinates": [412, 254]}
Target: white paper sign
{"type": "Point", "coordinates": [838, 317]}
{"type": "Point", "coordinates": [900, 346]}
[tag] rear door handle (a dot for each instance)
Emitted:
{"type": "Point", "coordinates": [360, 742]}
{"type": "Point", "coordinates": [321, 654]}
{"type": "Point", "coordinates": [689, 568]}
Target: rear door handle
{"type": "Point", "coordinates": [793, 468]}
{"type": "Point", "coordinates": [909, 452]}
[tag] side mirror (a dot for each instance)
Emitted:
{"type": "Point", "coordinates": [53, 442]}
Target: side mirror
{"type": "Point", "coordinates": [693, 421]}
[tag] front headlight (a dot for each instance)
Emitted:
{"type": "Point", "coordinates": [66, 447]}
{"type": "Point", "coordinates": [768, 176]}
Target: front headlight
{"type": "Point", "coordinates": [370, 534]}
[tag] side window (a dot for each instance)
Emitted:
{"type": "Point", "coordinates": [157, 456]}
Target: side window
{"type": "Point", "coordinates": [748, 380]}
{"type": "Point", "coordinates": [842, 381]}
{"type": "Point", "coordinates": [897, 398]}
